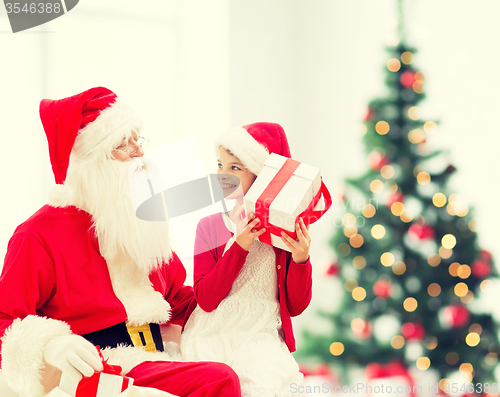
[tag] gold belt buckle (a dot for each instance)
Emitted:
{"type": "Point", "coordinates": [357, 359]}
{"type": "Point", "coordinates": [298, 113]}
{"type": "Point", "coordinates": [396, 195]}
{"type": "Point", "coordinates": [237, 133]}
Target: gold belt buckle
{"type": "Point", "coordinates": [135, 335]}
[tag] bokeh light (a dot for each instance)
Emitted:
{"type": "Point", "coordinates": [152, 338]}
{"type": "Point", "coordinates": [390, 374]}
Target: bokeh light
{"type": "Point", "coordinates": [336, 348]}
{"type": "Point", "coordinates": [434, 260]}
{"type": "Point", "coordinates": [358, 294]}
{"type": "Point", "coordinates": [393, 65]}
{"type": "Point", "coordinates": [376, 186]}
{"type": "Point", "coordinates": [368, 210]}
{"type": "Point", "coordinates": [397, 208]}
{"type": "Point", "coordinates": [448, 241]}
{"type": "Point", "coordinates": [387, 259]}
{"type": "Point", "coordinates": [434, 289]}
{"type": "Point", "coordinates": [359, 262]}
{"type": "Point", "coordinates": [387, 171]}
{"type": "Point", "coordinates": [461, 289]}
{"type": "Point", "coordinates": [397, 342]}
{"type": "Point", "coordinates": [407, 57]}
{"type": "Point", "coordinates": [430, 127]}
{"type": "Point", "coordinates": [378, 231]}
{"type": "Point", "coordinates": [439, 200]}
{"type": "Point", "coordinates": [414, 113]}
{"type": "Point", "coordinates": [472, 339]}
{"type": "Point", "coordinates": [423, 363]}
{"type": "Point", "coordinates": [398, 268]}
{"type": "Point", "coordinates": [382, 127]}
{"type": "Point", "coordinates": [356, 241]}
{"type": "Point", "coordinates": [410, 304]}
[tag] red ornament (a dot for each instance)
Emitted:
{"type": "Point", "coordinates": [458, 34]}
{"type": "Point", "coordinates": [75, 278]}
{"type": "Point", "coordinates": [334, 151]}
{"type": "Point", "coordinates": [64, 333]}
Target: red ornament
{"type": "Point", "coordinates": [383, 289]}
{"type": "Point", "coordinates": [333, 269]}
{"type": "Point", "coordinates": [370, 114]}
{"type": "Point", "coordinates": [421, 232]}
{"type": "Point", "coordinates": [394, 198]}
{"type": "Point", "coordinates": [480, 268]}
{"type": "Point", "coordinates": [377, 160]}
{"type": "Point", "coordinates": [455, 315]}
{"type": "Point", "coordinates": [407, 79]}
{"type": "Point", "coordinates": [486, 255]}
{"type": "Point", "coordinates": [413, 331]}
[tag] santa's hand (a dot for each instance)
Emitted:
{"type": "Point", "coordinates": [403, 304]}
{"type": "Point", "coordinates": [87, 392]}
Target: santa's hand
{"type": "Point", "coordinates": [74, 355]}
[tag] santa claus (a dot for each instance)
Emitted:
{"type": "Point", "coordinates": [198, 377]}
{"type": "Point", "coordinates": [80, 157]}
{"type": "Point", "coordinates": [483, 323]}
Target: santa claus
{"type": "Point", "coordinates": [85, 271]}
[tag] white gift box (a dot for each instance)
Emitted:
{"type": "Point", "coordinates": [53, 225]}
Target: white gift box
{"type": "Point", "coordinates": [101, 384]}
{"type": "Point", "coordinates": [296, 190]}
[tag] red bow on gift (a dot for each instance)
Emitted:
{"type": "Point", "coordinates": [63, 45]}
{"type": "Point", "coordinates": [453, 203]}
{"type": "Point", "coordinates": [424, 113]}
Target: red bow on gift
{"type": "Point", "coordinates": [89, 386]}
{"type": "Point", "coordinates": [108, 368]}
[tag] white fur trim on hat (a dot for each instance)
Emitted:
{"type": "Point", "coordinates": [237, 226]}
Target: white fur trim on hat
{"type": "Point", "coordinates": [22, 352]}
{"type": "Point", "coordinates": [112, 125]}
{"type": "Point", "coordinates": [241, 144]}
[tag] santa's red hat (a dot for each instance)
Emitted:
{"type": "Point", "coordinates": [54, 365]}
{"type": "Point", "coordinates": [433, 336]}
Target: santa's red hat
{"type": "Point", "coordinates": [97, 115]}
{"type": "Point", "coordinates": [253, 143]}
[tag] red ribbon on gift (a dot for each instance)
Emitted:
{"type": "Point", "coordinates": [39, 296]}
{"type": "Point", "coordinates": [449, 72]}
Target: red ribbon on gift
{"type": "Point", "coordinates": [392, 369]}
{"type": "Point", "coordinates": [88, 386]}
{"type": "Point", "coordinates": [266, 198]}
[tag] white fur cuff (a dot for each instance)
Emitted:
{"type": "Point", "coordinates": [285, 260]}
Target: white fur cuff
{"type": "Point", "coordinates": [22, 352]}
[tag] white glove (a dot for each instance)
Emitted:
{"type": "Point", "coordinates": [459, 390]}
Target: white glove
{"type": "Point", "coordinates": [73, 355]}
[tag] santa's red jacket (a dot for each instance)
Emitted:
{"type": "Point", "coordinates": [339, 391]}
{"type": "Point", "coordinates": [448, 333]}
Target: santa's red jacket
{"type": "Point", "coordinates": [55, 280]}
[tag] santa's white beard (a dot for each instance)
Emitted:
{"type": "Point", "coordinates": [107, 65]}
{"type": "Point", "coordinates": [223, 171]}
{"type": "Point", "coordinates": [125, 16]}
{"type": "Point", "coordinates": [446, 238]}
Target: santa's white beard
{"type": "Point", "coordinates": [101, 188]}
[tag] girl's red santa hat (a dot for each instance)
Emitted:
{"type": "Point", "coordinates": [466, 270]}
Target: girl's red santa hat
{"type": "Point", "coordinates": [253, 143]}
{"type": "Point", "coordinates": [87, 124]}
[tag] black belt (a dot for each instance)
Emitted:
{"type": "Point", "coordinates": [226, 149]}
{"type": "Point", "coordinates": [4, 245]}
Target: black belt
{"type": "Point", "coordinates": [147, 336]}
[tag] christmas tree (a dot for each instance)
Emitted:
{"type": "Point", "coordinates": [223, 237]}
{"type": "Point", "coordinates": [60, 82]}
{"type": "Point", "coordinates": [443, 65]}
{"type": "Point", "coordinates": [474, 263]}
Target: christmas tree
{"type": "Point", "coordinates": [408, 257]}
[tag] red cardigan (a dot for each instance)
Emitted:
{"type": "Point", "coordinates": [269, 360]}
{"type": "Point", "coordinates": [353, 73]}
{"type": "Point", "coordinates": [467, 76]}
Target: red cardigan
{"type": "Point", "coordinates": [214, 274]}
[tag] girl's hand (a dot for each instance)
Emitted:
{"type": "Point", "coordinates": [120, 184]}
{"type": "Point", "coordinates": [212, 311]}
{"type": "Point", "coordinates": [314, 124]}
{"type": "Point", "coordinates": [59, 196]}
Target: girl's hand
{"type": "Point", "coordinates": [246, 232]}
{"type": "Point", "coordinates": [299, 247]}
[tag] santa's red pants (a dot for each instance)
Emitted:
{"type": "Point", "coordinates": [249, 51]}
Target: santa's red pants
{"type": "Point", "coordinates": [193, 379]}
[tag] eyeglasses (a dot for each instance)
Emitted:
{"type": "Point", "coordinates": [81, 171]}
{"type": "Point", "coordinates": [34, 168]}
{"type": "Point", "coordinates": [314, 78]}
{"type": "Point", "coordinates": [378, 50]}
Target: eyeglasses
{"type": "Point", "coordinates": [141, 142]}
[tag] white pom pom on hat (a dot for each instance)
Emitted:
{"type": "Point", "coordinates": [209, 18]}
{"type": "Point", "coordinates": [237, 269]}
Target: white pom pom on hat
{"type": "Point", "coordinates": [253, 143]}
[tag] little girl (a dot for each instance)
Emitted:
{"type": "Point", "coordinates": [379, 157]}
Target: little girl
{"type": "Point", "coordinates": [246, 291]}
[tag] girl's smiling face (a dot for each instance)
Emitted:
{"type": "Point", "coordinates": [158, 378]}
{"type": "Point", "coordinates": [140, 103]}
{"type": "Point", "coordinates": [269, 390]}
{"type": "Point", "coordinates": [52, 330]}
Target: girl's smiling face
{"type": "Point", "coordinates": [232, 173]}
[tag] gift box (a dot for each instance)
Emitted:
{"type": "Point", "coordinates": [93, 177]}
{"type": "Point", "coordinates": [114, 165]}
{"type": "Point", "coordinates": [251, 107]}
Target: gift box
{"type": "Point", "coordinates": [284, 191]}
{"type": "Point", "coordinates": [108, 383]}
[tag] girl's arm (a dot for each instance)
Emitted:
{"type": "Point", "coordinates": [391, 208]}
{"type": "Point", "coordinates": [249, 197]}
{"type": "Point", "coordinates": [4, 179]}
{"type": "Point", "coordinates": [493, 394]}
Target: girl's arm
{"type": "Point", "coordinates": [214, 276]}
{"type": "Point", "coordinates": [299, 269]}
{"type": "Point", "coordinates": [298, 285]}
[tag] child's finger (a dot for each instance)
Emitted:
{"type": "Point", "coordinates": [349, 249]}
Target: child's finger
{"type": "Point", "coordinates": [298, 229]}
{"type": "Point", "coordinates": [287, 243]}
{"type": "Point", "coordinates": [290, 242]}
{"type": "Point", "coordinates": [252, 224]}
{"type": "Point", "coordinates": [260, 232]}
{"type": "Point", "coordinates": [305, 229]}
